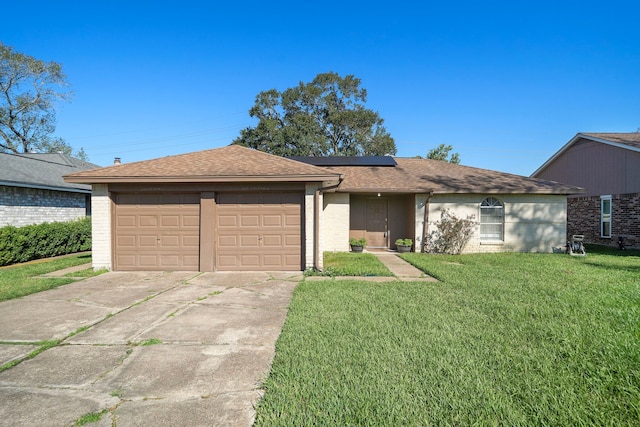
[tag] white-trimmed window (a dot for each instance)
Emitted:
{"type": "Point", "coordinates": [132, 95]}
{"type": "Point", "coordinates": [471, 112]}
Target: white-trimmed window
{"type": "Point", "coordinates": [491, 219]}
{"type": "Point", "coordinates": [605, 216]}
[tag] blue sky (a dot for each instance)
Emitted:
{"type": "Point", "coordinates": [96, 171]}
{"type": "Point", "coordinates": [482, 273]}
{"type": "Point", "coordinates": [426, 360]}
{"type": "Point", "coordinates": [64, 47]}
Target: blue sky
{"type": "Point", "coordinates": [506, 83]}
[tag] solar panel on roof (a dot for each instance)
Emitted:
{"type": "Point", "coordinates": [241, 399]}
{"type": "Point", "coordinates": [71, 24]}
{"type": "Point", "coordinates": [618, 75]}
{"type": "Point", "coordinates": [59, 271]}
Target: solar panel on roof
{"type": "Point", "coordinates": [346, 160]}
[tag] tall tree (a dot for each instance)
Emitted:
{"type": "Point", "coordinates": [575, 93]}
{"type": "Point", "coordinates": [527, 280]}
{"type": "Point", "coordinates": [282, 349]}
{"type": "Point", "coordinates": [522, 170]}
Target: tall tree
{"type": "Point", "coordinates": [29, 90]}
{"type": "Point", "coordinates": [325, 117]}
{"type": "Point", "coordinates": [441, 152]}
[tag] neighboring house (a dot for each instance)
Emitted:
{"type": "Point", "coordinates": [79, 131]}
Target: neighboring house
{"type": "Point", "coordinates": [234, 208]}
{"type": "Point", "coordinates": [32, 190]}
{"type": "Point", "coordinates": [607, 165]}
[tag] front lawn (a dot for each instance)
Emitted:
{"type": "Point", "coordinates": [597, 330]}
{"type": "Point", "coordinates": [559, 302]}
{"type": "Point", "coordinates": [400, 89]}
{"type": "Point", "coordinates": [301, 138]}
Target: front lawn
{"type": "Point", "coordinates": [352, 264]}
{"type": "Point", "coordinates": [19, 280]}
{"type": "Point", "coordinates": [503, 339]}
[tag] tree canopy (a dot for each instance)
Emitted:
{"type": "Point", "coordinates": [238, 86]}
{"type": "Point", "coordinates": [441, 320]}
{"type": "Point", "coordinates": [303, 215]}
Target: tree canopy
{"type": "Point", "coordinates": [325, 117]}
{"type": "Point", "coordinates": [29, 90]}
{"type": "Point", "coordinates": [441, 152]}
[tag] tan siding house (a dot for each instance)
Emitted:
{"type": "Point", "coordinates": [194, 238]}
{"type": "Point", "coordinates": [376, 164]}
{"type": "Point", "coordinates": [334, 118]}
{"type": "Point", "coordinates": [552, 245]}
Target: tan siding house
{"type": "Point", "coordinates": [234, 208]}
{"type": "Point", "coordinates": [607, 166]}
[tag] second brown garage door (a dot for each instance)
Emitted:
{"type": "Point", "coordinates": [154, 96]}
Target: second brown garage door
{"type": "Point", "coordinates": [258, 231]}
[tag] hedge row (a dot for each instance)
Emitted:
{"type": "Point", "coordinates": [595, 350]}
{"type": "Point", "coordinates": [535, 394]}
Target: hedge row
{"type": "Point", "coordinates": [20, 244]}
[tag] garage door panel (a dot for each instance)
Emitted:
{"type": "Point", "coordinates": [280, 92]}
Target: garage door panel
{"type": "Point", "coordinates": [292, 220]}
{"type": "Point", "coordinates": [147, 241]}
{"type": "Point", "coordinates": [272, 221]}
{"type": "Point", "coordinates": [227, 221]}
{"type": "Point", "coordinates": [170, 220]}
{"type": "Point", "coordinates": [250, 260]}
{"type": "Point", "coordinates": [126, 241]}
{"type": "Point", "coordinates": [226, 262]}
{"type": "Point", "coordinates": [157, 231]}
{"type": "Point", "coordinates": [191, 241]}
{"type": "Point", "coordinates": [149, 261]}
{"type": "Point", "coordinates": [267, 231]}
{"type": "Point", "coordinates": [272, 240]}
{"type": "Point", "coordinates": [170, 242]}
{"type": "Point", "coordinates": [191, 221]}
{"type": "Point", "coordinates": [147, 221]}
{"type": "Point", "coordinates": [126, 221]}
{"type": "Point", "coordinates": [249, 220]}
{"type": "Point", "coordinates": [250, 241]}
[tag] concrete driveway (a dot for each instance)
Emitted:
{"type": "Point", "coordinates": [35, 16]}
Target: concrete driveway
{"type": "Point", "coordinates": [152, 348]}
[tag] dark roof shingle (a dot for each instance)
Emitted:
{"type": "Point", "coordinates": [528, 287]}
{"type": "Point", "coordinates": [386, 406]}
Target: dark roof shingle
{"type": "Point", "coordinates": [630, 139]}
{"type": "Point", "coordinates": [41, 170]}
{"type": "Point", "coordinates": [424, 175]}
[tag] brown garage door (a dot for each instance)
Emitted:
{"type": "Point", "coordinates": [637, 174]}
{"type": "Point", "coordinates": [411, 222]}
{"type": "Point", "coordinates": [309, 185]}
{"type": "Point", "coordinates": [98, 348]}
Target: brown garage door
{"type": "Point", "coordinates": [157, 231]}
{"type": "Point", "coordinates": [259, 231]}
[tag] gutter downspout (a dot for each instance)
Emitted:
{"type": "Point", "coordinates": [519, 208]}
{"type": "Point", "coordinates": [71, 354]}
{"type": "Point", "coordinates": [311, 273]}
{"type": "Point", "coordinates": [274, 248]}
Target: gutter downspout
{"type": "Point", "coordinates": [316, 221]}
{"type": "Point", "coordinates": [425, 222]}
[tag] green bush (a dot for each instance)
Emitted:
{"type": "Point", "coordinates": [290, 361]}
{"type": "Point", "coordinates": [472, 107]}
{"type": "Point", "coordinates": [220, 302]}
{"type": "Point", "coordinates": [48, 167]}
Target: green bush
{"type": "Point", "coordinates": [21, 244]}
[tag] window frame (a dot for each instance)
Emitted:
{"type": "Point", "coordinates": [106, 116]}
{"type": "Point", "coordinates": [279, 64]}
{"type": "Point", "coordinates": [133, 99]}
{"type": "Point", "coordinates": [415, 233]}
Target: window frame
{"type": "Point", "coordinates": [484, 238]}
{"type": "Point", "coordinates": [605, 218]}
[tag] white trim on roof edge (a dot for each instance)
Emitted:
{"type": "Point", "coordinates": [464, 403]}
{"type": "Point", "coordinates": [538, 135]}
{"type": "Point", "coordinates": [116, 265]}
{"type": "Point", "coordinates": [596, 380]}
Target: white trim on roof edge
{"type": "Point", "coordinates": [572, 141]}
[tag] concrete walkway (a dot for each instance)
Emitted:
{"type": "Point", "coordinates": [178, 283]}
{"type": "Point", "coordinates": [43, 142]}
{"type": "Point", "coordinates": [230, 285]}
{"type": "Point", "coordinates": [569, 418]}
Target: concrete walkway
{"type": "Point", "coordinates": [401, 268]}
{"type": "Point", "coordinates": [145, 348]}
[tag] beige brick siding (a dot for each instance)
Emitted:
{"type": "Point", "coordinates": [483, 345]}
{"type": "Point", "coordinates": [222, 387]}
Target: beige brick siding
{"type": "Point", "coordinates": [334, 222]}
{"type": "Point", "coordinates": [583, 217]}
{"type": "Point", "coordinates": [533, 223]}
{"type": "Point", "coordinates": [101, 226]}
{"type": "Point", "coordinates": [420, 201]}
{"type": "Point", "coordinates": [309, 221]}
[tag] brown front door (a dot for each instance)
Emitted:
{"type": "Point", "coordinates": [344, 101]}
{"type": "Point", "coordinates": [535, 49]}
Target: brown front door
{"type": "Point", "coordinates": [376, 225]}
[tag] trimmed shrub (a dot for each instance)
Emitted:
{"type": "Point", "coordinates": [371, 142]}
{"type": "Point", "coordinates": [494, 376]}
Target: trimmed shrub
{"type": "Point", "coordinates": [21, 244]}
{"type": "Point", "coordinates": [451, 234]}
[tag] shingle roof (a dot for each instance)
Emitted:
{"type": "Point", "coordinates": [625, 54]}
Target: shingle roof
{"type": "Point", "coordinates": [424, 175]}
{"type": "Point", "coordinates": [42, 170]}
{"type": "Point", "coordinates": [237, 163]}
{"type": "Point", "coordinates": [230, 163]}
{"type": "Point", "coordinates": [630, 139]}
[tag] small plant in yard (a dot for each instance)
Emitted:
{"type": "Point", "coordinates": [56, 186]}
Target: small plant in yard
{"type": "Point", "coordinates": [91, 417]}
{"type": "Point", "coordinates": [357, 242]}
{"type": "Point", "coordinates": [451, 234]}
{"type": "Point", "coordinates": [404, 242]}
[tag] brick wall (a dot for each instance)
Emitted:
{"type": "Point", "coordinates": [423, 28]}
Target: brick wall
{"type": "Point", "coordinates": [583, 217]}
{"type": "Point", "coordinates": [532, 222]}
{"type": "Point", "coordinates": [24, 206]}
{"type": "Point", "coordinates": [334, 222]}
{"type": "Point", "coordinates": [101, 226]}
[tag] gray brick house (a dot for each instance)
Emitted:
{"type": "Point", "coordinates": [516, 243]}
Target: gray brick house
{"type": "Point", "coordinates": [607, 165]}
{"type": "Point", "coordinates": [32, 190]}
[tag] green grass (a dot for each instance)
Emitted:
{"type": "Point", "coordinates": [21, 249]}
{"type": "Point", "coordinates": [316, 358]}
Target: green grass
{"type": "Point", "coordinates": [352, 264]}
{"type": "Point", "coordinates": [42, 346]}
{"type": "Point", "coordinates": [503, 339]}
{"type": "Point", "coordinates": [91, 417]}
{"type": "Point", "coordinates": [89, 272]}
{"type": "Point", "coordinates": [17, 281]}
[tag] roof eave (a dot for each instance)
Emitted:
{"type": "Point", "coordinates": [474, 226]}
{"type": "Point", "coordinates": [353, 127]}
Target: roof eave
{"type": "Point", "coordinates": [190, 179]}
{"type": "Point", "coordinates": [46, 187]}
{"type": "Point", "coordinates": [557, 191]}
